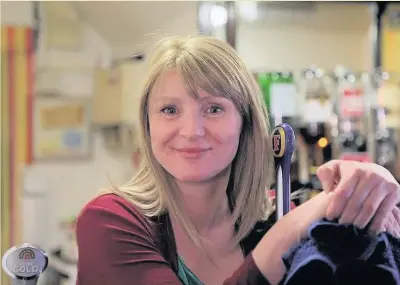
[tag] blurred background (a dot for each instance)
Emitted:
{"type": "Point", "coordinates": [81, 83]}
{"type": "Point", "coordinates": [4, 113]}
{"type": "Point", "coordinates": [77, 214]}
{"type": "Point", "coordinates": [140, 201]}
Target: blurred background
{"type": "Point", "coordinates": [71, 75]}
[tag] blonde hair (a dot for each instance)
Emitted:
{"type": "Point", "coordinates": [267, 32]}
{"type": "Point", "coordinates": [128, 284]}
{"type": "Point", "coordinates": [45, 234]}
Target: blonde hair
{"type": "Point", "coordinates": [214, 66]}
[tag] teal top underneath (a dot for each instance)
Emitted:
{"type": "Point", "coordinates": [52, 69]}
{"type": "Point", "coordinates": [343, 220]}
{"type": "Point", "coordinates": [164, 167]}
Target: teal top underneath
{"type": "Point", "coordinates": [186, 275]}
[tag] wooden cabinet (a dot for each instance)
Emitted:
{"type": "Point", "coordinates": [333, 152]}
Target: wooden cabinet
{"type": "Point", "coordinates": [117, 94]}
{"type": "Point", "coordinates": [115, 109]}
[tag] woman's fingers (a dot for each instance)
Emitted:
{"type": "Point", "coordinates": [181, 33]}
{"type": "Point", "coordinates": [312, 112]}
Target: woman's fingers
{"type": "Point", "coordinates": [395, 230]}
{"type": "Point", "coordinates": [370, 206]}
{"type": "Point", "coordinates": [382, 212]}
{"type": "Point", "coordinates": [362, 194]}
{"type": "Point", "coordinates": [392, 223]}
{"type": "Point", "coordinates": [396, 215]}
{"type": "Point", "coordinates": [356, 201]}
{"type": "Point", "coordinates": [342, 194]}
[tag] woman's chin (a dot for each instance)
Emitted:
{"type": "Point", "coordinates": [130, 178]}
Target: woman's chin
{"type": "Point", "coordinates": [200, 175]}
{"type": "Point", "coordinates": [194, 177]}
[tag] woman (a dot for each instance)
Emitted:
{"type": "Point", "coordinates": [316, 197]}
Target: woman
{"type": "Point", "coordinates": [196, 211]}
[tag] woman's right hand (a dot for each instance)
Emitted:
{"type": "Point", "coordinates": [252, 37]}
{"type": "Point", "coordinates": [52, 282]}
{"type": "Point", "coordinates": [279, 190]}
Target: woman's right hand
{"type": "Point", "coordinates": [286, 233]}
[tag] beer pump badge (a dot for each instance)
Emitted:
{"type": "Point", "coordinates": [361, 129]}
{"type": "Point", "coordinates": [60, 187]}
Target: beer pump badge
{"type": "Point", "coordinates": [24, 262]}
{"type": "Point", "coordinates": [278, 141]}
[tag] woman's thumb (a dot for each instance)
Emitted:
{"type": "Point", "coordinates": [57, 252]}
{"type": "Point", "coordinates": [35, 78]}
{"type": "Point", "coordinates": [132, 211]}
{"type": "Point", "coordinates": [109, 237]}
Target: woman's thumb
{"type": "Point", "coordinates": [328, 175]}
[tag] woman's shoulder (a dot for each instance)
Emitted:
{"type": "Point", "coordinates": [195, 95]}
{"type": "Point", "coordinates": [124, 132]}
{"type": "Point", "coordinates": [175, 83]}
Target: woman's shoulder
{"type": "Point", "coordinates": [111, 202]}
{"type": "Point", "coordinates": [117, 242]}
{"type": "Point", "coordinates": [110, 210]}
{"type": "Point", "coordinates": [108, 200]}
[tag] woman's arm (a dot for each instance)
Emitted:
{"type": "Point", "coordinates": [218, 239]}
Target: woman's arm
{"type": "Point", "coordinates": [286, 233]}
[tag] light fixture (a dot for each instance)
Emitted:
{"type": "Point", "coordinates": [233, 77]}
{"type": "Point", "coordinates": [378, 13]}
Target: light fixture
{"type": "Point", "coordinates": [248, 10]}
{"type": "Point", "coordinates": [218, 15]}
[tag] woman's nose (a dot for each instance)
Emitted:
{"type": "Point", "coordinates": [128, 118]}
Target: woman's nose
{"type": "Point", "coordinates": [192, 126]}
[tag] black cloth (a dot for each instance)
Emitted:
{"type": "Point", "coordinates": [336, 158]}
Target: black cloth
{"type": "Point", "coordinates": [334, 254]}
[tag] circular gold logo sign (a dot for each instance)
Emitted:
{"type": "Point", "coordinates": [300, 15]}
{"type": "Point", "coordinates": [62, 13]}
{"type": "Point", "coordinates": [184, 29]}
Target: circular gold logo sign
{"type": "Point", "coordinates": [278, 141]}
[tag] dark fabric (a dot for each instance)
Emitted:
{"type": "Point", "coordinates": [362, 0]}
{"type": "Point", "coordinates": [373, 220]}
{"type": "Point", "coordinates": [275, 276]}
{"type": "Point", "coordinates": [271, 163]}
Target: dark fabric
{"type": "Point", "coordinates": [118, 245]}
{"type": "Point", "coordinates": [334, 254]}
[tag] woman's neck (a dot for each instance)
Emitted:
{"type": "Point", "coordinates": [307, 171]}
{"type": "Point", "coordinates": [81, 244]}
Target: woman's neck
{"type": "Point", "coordinates": [207, 202]}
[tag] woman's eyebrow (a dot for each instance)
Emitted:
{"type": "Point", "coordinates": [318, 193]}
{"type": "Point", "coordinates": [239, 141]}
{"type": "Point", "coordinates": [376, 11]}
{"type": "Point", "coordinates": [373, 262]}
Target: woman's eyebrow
{"type": "Point", "coordinates": [167, 98]}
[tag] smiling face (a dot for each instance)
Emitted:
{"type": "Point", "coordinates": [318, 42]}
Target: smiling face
{"type": "Point", "coordinates": [198, 101]}
{"type": "Point", "coordinates": [194, 139]}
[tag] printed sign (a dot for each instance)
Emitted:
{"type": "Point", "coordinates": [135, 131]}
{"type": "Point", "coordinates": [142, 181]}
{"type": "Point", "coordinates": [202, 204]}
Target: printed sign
{"type": "Point", "coordinates": [278, 141]}
{"type": "Point", "coordinates": [25, 261]}
{"type": "Point", "coordinates": [317, 111]}
{"type": "Point", "coordinates": [352, 103]}
{"type": "Point", "coordinates": [284, 100]}
{"type": "Point", "coordinates": [61, 128]}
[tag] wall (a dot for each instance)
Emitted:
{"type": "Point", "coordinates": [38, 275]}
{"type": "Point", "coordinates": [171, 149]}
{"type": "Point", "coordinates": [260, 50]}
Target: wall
{"type": "Point", "coordinates": [185, 24]}
{"type": "Point", "coordinates": [296, 48]}
{"type": "Point", "coordinates": [16, 13]}
{"type": "Point", "coordinates": [71, 185]}
{"type": "Point", "coordinates": [298, 40]}
{"type": "Point", "coordinates": [68, 186]}
{"type": "Point", "coordinates": [391, 41]}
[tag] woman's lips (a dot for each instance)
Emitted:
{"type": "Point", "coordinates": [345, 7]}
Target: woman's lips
{"type": "Point", "coordinates": [191, 152]}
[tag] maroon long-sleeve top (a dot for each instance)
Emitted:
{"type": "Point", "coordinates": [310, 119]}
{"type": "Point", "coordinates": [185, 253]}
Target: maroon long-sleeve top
{"type": "Point", "coordinates": [118, 245]}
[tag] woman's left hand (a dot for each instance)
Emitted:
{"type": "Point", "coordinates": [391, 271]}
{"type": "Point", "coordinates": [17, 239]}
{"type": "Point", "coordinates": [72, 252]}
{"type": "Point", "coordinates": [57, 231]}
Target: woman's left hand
{"type": "Point", "coordinates": [363, 193]}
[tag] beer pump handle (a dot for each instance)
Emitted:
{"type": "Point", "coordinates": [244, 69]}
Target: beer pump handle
{"type": "Point", "coordinates": [283, 144]}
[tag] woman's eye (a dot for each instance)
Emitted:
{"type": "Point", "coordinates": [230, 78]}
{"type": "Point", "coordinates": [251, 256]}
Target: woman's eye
{"type": "Point", "coordinates": [168, 110]}
{"type": "Point", "coordinates": [214, 110]}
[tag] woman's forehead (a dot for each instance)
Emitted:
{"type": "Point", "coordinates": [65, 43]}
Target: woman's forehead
{"type": "Point", "coordinates": [168, 82]}
{"type": "Point", "coordinates": [171, 85]}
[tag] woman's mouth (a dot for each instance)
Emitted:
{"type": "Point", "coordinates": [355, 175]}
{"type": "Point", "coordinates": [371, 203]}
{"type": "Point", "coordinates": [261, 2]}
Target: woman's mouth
{"type": "Point", "coordinates": [191, 152]}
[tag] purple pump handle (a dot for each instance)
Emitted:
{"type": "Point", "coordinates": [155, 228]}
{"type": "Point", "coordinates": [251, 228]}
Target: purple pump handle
{"type": "Point", "coordinates": [283, 144]}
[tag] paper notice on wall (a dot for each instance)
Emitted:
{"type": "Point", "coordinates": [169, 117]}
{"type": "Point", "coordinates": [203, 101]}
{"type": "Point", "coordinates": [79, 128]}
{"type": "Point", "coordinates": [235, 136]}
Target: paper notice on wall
{"type": "Point", "coordinates": [317, 111]}
{"type": "Point", "coordinates": [352, 103]}
{"type": "Point", "coordinates": [283, 100]}
{"type": "Point", "coordinates": [61, 128]}
{"type": "Point", "coordinates": [66, 81]}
